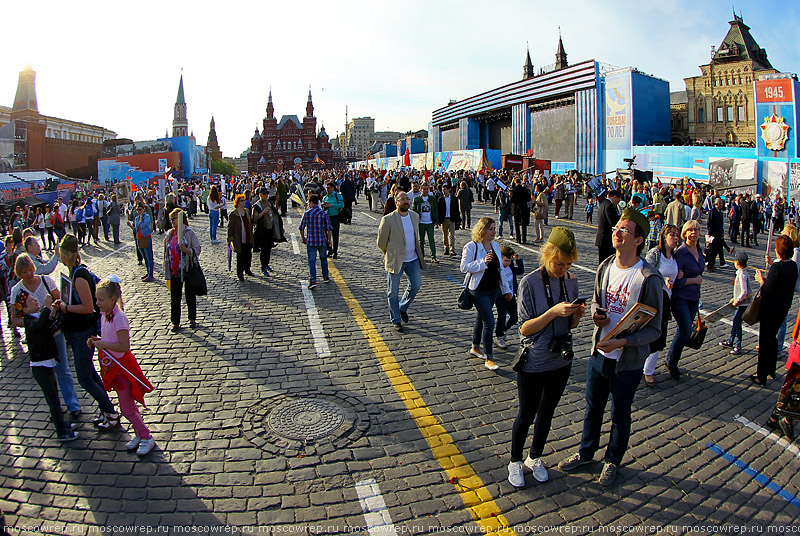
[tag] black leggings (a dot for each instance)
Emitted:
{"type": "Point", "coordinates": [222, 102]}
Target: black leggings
{"type": "Point", "coordinates": [46, 378]}
{"type": "Point", "coordinates": [175, 290]}
{"type": "Point", "coordinates": [538, 394]}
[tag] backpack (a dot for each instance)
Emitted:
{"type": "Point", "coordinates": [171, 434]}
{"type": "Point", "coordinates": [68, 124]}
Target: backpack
{"type": "Point", "coordinates": [88, 211]}
{"type": "Point", "coordinates": [75, 299]}
{"type": "Point", "coordinates": [504, 201]}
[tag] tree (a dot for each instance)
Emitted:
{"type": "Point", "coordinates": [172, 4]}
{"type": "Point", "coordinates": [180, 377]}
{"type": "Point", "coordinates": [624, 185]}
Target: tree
{"type": "Point", "coordinates": [224, 168]}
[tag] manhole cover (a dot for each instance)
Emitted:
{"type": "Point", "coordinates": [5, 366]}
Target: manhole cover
{"type": "Point", "coordinates": [306, 419]}
{"type": "Point", "coordinates": [306, 422]}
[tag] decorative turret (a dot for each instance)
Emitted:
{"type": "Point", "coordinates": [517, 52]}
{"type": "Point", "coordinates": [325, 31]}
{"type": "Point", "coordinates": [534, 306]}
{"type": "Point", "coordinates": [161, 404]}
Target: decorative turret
{"type": "Point", "coordinates": [26, 91]}
{"type": "Point", "coordinates": [212, 146]}
{"type": "Point", "coordinates": [180, 125]}
{"type": "Point", "coordinates": [270, 108]}
{"type": "Point", "coordinates": [561, 56]}
{"type": "Point", "coordinates": [527, 70]}
{"type": "Point", "coordinates": [309, 105]}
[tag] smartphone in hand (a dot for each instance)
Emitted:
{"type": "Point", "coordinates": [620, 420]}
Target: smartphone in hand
{"type": "Point", "coordinates": [580, 301]}
{"type": "Point", "coordinates": [601, 312]}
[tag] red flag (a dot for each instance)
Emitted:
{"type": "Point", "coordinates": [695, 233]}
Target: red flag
{"type": "Point", "coordinates": [407, 157]}
{"type": "Point", "coordinates": [427, 174]}
{"type": "Point", "coordinates": [127, 367]}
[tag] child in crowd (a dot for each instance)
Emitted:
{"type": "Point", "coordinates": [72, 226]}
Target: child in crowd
{"type": "Point", "coordinates": [43, 354]}
{"type": "Point", "coordinates": [741, 299]}
{"type": "Point", "coordinates": [655, 229]}
{"type": "Point", "coordinates": [589, 209]}
{"type": "Point", "coordinates": [120, 370]}
{"type": "Point", "coordinates": [512, 266]}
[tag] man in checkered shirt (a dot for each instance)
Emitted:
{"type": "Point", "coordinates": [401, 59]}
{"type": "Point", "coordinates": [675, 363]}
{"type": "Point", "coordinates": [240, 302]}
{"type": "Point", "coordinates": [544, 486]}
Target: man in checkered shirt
{"type": "Point", "coordinates": [315, 231]}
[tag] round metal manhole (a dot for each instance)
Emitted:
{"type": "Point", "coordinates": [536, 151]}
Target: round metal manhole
{"type": "Point", "coordinates": [307, 422]}
{"type": "Point", "coordinates": [306, 419]}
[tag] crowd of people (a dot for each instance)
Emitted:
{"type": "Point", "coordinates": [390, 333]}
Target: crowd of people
{"type": "Point", "coordinates": [652, 256]}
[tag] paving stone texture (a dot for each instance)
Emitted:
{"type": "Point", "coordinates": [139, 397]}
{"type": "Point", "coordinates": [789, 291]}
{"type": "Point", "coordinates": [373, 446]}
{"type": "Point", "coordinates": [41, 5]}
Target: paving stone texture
{"type": "Point", "coordinates": [218, 463]}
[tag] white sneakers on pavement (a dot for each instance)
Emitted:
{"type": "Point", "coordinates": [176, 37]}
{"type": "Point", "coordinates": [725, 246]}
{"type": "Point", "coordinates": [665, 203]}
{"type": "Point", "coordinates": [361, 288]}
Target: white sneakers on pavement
{"type": "Point", "coordinates": [538, 469]}
{"type": "Point", "coordinates": [515, 477]}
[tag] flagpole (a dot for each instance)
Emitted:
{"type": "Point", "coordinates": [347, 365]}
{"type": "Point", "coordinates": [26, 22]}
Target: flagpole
{"type": "Point", "coordinates": [132, 375]}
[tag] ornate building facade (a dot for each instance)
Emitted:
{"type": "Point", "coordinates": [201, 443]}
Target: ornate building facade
{"type": "Point", "coordinates": [720, 105]}
{"type": "Point", "coordinates": [289, 143]}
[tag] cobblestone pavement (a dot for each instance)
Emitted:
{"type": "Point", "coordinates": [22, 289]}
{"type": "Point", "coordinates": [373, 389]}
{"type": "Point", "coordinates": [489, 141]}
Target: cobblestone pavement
{"type": "Point", "coordinates": [304, 410]}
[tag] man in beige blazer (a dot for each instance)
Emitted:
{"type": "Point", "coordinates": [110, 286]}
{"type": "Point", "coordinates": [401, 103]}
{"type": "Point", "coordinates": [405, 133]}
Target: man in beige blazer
{"type": "Point", "coordinates": [398, 239]}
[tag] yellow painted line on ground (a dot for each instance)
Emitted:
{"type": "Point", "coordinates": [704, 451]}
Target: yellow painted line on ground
{"type": "Point", "coordinates": [477, 499]}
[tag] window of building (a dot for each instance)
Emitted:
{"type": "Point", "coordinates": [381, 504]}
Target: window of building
{"type": "Point", "coordinates": [720, 116]}
{"type": "Point", "coordinates": [730, 113]}
{"type": "Point", "coordinates": [742, 114]}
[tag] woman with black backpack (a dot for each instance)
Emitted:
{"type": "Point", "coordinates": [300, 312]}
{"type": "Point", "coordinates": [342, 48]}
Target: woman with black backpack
{"type": "Point", "coordinates": [82, 321]}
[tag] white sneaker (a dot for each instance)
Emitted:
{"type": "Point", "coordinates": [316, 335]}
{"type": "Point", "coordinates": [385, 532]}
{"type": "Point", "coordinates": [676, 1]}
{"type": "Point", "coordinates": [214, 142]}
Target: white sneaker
{"type": "Point", "coordinates": [490, 364]}
{"type": "Point", "coordinates": [145, 446]}
{"type": "Point", "coordinates": [538, 468]}
{"type": "Point", "coordinates": [133, 443]}
{"type": "Point", "coordinates": [476, 353]}
{"type": "Point", "coordinates": [501, 342]}
{"type": "Point", "coordinates": [515, 477]}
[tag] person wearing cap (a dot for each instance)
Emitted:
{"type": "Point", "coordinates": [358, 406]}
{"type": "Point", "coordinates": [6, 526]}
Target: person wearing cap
{"type": "Point", "coordinates": [547, 314]}
{"type": "Point", "coordinates": [742, 296]}
{"type": "Point", "coordinates": [616, 365]}
{"type": "Point", "coordinates": [607, 218]}
{"type": "Point", "coordinates": [481, 261]}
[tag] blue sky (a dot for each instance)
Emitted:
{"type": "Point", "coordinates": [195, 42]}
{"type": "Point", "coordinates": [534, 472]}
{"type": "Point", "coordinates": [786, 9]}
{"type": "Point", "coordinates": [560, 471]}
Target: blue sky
{"type": "Point", "coordinates": [118, 66]}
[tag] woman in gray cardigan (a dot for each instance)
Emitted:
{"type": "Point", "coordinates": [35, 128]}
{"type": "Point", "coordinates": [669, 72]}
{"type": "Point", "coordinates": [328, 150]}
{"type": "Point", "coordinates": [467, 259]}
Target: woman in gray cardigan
{"type": "Point", "coordinates": [179, 255]}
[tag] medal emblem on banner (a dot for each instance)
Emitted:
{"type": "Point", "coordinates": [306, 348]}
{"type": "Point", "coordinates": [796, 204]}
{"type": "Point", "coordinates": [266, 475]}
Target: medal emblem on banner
{"type": "Point", "coordinates": [774, 132]}
{"type": "Point", "coordinates": [105, 363]}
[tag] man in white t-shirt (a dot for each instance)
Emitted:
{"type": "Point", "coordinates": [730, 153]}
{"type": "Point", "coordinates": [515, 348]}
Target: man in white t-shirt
{"type": "Point", "coordinates": [398, 239]}
{"type": "Point", "coordinates": [616, 365]}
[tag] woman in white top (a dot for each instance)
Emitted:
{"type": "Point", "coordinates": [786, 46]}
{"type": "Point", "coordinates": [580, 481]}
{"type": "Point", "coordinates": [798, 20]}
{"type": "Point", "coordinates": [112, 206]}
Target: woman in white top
{"type": "Point", "coordinates": [661, 257]}
{"type": "Point", "coordinates": [214, 203]}
{"type": "Point", "coordinates": [480, 260]}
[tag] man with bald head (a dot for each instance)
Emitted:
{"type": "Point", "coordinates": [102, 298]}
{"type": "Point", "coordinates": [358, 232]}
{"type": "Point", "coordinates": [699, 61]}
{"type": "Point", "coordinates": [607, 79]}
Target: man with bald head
{"type": "Point", "coordinates": [398, 239]}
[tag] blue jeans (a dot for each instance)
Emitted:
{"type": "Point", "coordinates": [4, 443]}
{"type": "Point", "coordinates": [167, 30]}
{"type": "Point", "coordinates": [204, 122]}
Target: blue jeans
{"type": "Point", "coordinates": [213, 222]}
{"type": "Point", "coordinates": [312, 261]}
{"type": "Point", "coordinates": [84, 368]}
{"type": "Point", "coordinates": [603, 380]}
{"type": "Point", "coordinates": [484, 318]}
{"type": "Point", "coordinates": [412, 271]}
{"type": "Point", "coordinates": [736, 328]}
{"type": "Point", "coordinates": [65, 382]}
{"type": "Point", "coordinates": [684, 313]}
{"type": "Point", "coordinates": [147, 255]}
{"type": "Point", "coordinates": [781, 336]}
{"type": "Point", "coordinates": [505, 216]}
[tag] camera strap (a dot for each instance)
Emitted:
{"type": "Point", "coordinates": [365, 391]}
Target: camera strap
{"type": "Point", "coordinates": [548, 292]}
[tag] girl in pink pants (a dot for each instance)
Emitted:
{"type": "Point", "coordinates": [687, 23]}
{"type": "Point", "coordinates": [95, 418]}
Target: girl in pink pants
{"type": "Point", "coordinates": [120, 370]}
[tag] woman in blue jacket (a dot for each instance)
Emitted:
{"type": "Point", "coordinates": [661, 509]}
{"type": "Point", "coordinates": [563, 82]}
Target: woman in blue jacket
{"type": "Point", "coordinates": [143, 227]}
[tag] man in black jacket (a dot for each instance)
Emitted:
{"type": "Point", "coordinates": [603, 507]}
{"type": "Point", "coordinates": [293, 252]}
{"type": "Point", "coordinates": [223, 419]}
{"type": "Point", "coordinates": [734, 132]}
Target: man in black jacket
{"type": "Point", "coordinates": [608, 218]}
{"type": "Point", "coordinates": [449, 218]}
{"type": "Point", "coordinates": [715, 228]}
{"type": "Point", "coordinates": [746, 219]}
{"type": "Point", "coordinates": [520, 198]}
{"type": "Point", "coordinates": [348, 191]}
